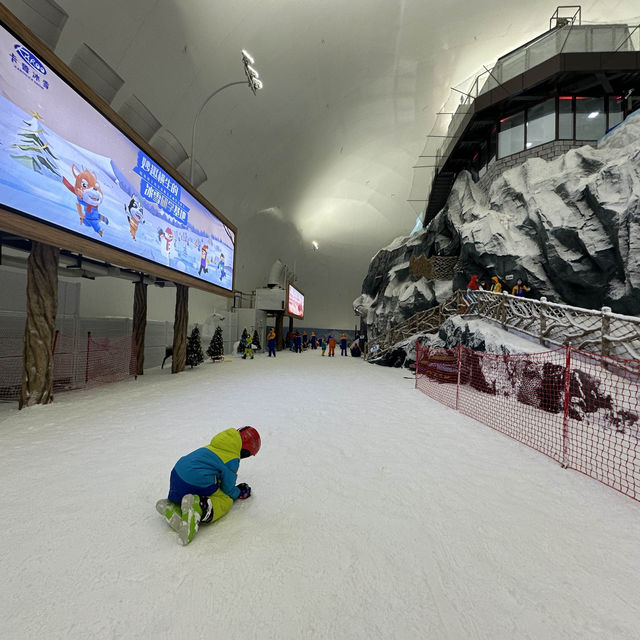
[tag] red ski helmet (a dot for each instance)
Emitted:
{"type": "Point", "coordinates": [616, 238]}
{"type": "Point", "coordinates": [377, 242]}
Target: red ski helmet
{"type": "Point", "coordinates": [250, 441]}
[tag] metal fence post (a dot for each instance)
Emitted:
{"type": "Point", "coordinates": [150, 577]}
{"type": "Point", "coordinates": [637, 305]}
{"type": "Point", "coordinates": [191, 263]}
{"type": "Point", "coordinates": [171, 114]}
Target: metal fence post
{"type": "Point", "coordinates": [86, 368]}
{"type": "Point", "coordinates": [542, 309]}
{"type": "Point", "coordinates": [459, 366]}
{"type": "Point", "coordinates": [567, 398]}
{"type": "Point", "coordinates": [605, 344]}
{"type": "Point", "coordinates": [133, 360]}
{"type": "Point", "coordinates": [502, 311]}
{"type": "Point", "coordinates": [55, 342]}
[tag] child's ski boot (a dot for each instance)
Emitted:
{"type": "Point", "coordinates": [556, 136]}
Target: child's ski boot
{"type": "Point", "coordinates": [171, 512]}
{"type": "Point", "coordinates": [195, 510]}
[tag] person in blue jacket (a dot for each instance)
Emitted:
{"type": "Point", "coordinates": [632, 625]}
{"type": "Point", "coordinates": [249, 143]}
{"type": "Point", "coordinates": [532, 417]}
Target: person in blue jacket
{"type": "Point", "coordinates": [202, 485]}
{"type": "Point", "coordinates": [343, 344]}
{"type": "Point", "coordinates": [520, 289]}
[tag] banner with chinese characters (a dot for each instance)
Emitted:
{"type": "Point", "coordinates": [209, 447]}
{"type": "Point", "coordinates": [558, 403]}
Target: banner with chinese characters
{"type": "Point", "coordinates": [64, 163]}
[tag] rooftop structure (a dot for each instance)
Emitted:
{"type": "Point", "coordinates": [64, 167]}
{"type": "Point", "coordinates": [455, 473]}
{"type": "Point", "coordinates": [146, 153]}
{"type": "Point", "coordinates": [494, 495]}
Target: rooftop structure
{"type": "Point", "coordinates": [566, 88]}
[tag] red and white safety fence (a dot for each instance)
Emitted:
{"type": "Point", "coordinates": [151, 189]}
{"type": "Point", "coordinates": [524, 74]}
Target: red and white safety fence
{"type": "Point", "coordinates": [577, 407]}
{"type": "Point", "coordinates": [78, 362]}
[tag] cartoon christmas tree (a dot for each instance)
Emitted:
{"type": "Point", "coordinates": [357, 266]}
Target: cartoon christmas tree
{"type": "Point", "coordinates": [216, 349]}
{"type": "Point", "coordinates": [33, 148]}
{"type": "Point", "coordinates": [245, 334]}
{"type": "Point", "coordinates": [194, 348]}
{"type": "Point", "coordinates": [255, 341]}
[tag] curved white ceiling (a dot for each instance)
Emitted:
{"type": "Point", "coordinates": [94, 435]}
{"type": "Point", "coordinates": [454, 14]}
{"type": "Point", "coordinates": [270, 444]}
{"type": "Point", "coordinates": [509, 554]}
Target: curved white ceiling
{"type": "Point", "coordinates": [325, 152]}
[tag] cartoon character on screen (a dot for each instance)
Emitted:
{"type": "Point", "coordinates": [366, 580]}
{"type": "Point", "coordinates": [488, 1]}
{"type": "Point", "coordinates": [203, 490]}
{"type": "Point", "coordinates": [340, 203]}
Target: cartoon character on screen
{"type": "Point", "coordinates": [221, 266]}
{"type": "Point", "coordinates": [135, 214]}
{"type": "Point", "coordinates": [203, 259]}
{"type": "Point", "coordinates": [89, 194]}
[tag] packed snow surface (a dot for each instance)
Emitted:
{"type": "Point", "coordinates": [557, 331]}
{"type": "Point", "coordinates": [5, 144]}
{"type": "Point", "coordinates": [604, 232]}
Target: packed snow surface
{"type": "Point", "coordinates": [375, 513]}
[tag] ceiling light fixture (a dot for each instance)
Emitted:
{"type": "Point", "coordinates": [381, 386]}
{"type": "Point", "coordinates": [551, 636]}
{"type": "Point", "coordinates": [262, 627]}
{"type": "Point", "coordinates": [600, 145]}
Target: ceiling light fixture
{"type": "Point", "coordinates": [593, 114]}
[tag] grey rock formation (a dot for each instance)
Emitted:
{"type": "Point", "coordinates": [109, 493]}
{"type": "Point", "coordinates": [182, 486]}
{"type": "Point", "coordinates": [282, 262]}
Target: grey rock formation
{"type": "Point", "coordinates": [570, 228]}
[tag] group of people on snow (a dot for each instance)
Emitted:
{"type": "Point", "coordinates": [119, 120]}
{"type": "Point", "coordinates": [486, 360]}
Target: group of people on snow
{"type": "Point", "coordinates": [299, 342]}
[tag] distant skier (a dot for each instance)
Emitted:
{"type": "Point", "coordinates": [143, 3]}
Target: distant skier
{"type": "Point", "coordinates": [248, 350]}
{"type": "Point", "coordinates": [202, 486]}
{"type": "Point", "coordinates": [271, 342]}
{"type": "Point", "coordinates": [343, 344]}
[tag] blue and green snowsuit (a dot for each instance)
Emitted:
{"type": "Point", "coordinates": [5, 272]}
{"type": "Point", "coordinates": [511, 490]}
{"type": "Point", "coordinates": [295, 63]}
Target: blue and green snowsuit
{"type": "Point", "coordinates": [210, 471]}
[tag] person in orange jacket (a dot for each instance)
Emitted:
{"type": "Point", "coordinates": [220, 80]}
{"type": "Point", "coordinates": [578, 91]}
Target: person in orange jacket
{"type": "Point", "coordinates": [496, 287]}
{"type": "Point", "coordinates": [332, 346]}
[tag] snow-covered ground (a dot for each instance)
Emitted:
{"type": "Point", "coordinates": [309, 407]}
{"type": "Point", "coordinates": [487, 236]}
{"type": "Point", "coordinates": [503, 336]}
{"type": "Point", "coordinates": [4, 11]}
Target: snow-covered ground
{"type": "Point", "coordinates": [376, 513]}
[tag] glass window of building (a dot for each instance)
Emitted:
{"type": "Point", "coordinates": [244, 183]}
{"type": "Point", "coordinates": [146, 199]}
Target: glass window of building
{"type": "Point", "coordinates": [493, 144]}
{"type": "Point", "coordinates": [591, 120]}
{"type": "Point", "coordinates": [541, 123]}
{"type": "Point", "coordinates": [511, 135]}
{"type": "Point", "coordinates": [616, 114]}
{"type": "Point", "coordinates": [565, 118]}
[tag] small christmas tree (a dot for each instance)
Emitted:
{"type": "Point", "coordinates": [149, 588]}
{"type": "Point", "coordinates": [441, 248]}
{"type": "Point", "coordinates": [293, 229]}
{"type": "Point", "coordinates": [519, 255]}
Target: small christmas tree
{"type": "Point", "coordinates": [245, 334]}
{"type": "Point", "coordinates": [33, 148]}
{"type": "Point", "coordinates": [216, 348]}
{"type": "Point", "coordinates": [194, 348]}
{"type": "Point", "coordinates": [255, 341]}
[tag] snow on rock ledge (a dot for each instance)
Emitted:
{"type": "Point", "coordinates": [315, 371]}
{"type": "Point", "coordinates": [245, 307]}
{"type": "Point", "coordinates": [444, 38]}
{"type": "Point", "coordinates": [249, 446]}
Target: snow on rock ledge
{"type": "Point", "coordinates": [476, 334]}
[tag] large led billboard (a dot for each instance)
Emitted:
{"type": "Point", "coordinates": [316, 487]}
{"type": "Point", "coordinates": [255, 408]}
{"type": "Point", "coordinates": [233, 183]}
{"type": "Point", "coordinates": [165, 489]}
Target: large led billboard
{"type": "Point", "coordinates": [62, 162]}
{"type": "Point", "coordinates": [294, 304]}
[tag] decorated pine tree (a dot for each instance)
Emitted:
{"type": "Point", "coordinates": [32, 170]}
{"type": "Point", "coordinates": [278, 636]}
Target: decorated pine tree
{"type": "Point", "coordinates": [32, 148]}
{"type": "Point", "coordinates": [255, 341]}
{"type": "Point", "coordinates": [194, 348]}
{"type": "Point", "coordinates": [216, 348]}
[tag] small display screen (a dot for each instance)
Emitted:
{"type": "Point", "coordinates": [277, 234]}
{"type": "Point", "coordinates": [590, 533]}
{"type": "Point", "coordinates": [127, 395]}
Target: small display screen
{"type": "Point", "coordinates": [295, 302]}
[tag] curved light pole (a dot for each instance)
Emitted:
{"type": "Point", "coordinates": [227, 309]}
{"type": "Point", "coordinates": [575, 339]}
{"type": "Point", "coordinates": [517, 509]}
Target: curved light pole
{"type": "Point", "coordinates": [254, 83]}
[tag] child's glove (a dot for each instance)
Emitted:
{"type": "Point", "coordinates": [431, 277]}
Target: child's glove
{"type": "Point", "coordinates": [245, 491]}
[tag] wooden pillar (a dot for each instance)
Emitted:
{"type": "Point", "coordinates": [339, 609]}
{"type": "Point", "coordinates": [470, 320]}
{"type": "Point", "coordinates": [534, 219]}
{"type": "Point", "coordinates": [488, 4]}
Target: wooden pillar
{"type": "Point", "coordinates": [40, 325]}
{"type": "Point", "coordinates": [278, 328]}
{"type": "Point", "coordinates": [140, 323]}
{"type": "Point", "coordinates": [180, 325]}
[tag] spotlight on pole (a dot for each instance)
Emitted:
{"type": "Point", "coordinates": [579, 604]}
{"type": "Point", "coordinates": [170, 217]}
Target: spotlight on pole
{"type": "Point", "coordinates": [255, 84]}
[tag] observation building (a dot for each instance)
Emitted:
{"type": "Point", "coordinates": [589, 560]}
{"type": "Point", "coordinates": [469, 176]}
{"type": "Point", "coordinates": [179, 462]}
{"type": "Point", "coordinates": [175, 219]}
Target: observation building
{"type": "Point", "coordinates": [564, 89]}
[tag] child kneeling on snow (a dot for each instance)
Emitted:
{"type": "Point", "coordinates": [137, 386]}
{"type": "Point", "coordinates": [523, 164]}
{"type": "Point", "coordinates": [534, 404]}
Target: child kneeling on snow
{"type": "Point", "coordinates": [202, 486]}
